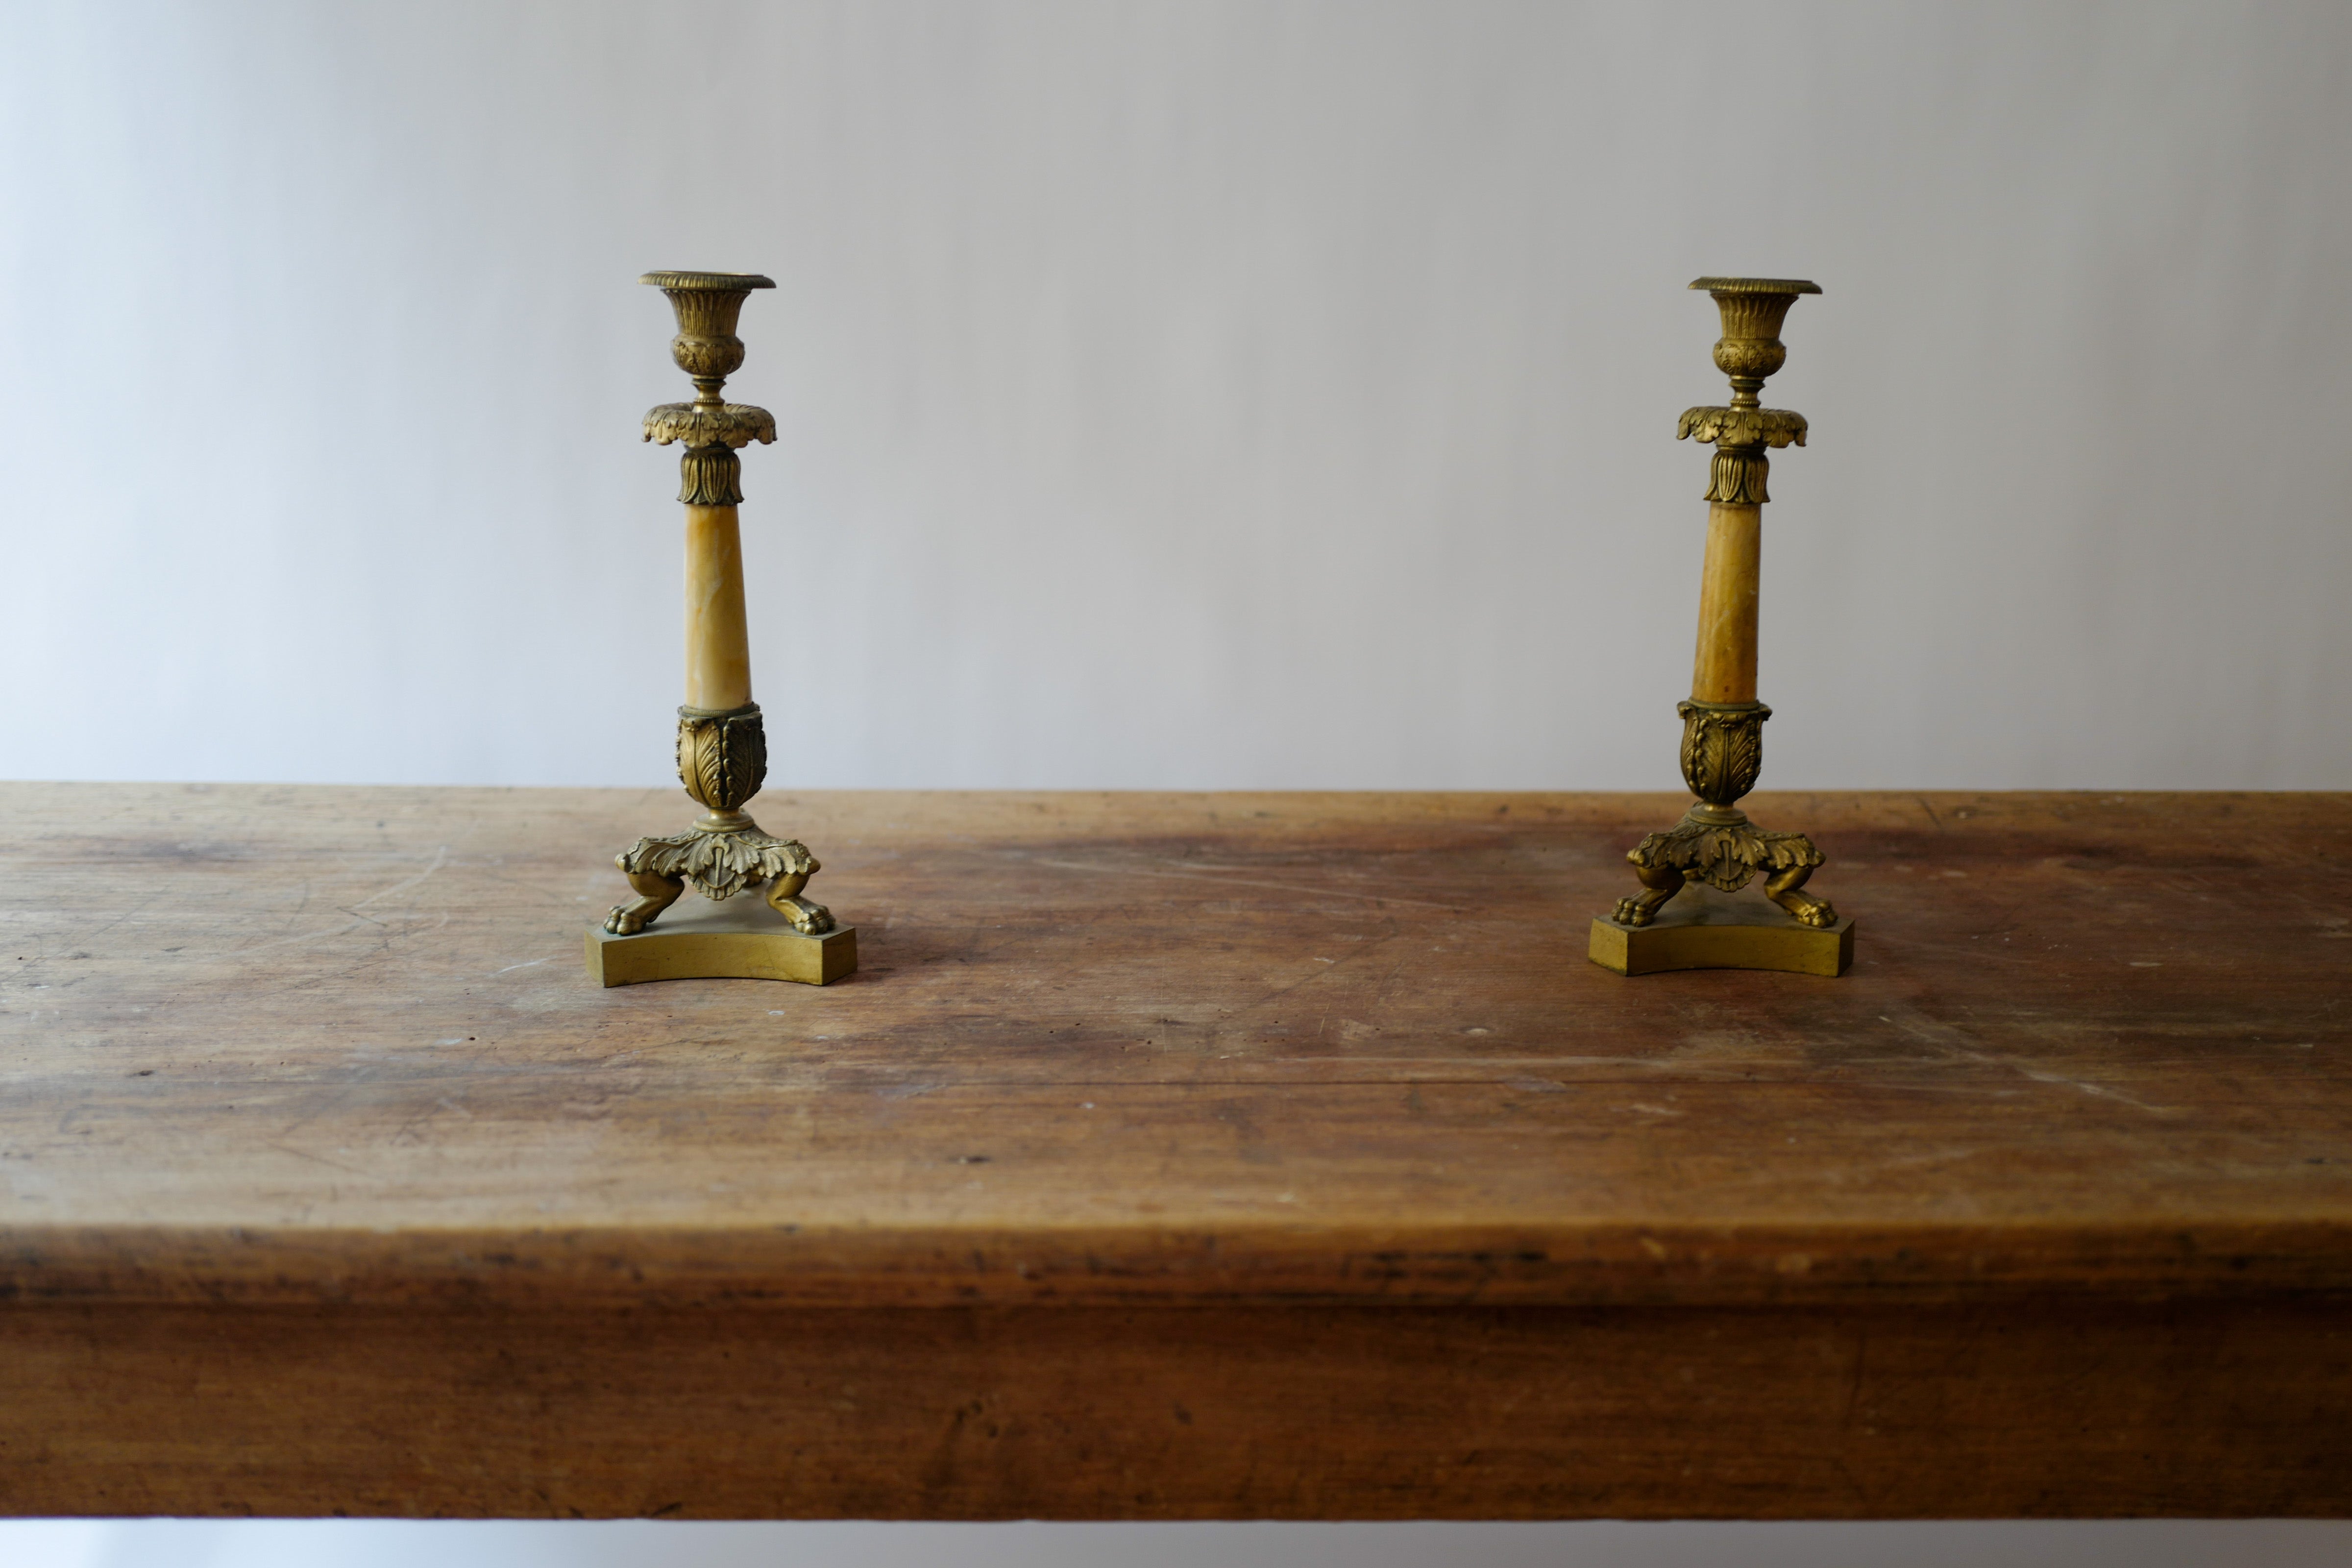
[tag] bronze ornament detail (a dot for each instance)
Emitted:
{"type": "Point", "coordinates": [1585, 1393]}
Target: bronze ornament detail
{"type": "Point", "coordinates": [725, 425]}
{"type": "Point", "coordinates": [1722, 754]}
{"type": "Point", "coordinates": [710, 476]}
{"type": "Point", "coordinates": [1723, 748]}
{"type": "Point", "coordinates": [1742, 431]}
{"type": "Point", "coordinates": [707, 305]}
{"type": "Point", "coordinates": [719, 862]}
{"type": "Point", "coordinates": [722, 757]}
{"type": "Point", "coordinates": [1737, 476]}
{"type": "Point", "coordinates": [1719, 847]}
{"type": "Point", "coordinates": [1742, 427]}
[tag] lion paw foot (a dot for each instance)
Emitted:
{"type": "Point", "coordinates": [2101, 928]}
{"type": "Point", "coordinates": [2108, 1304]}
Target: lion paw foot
{"type": "Point", "coordinates": [629, 918]}
{"type": "Point", "coordinates": [808, 918]}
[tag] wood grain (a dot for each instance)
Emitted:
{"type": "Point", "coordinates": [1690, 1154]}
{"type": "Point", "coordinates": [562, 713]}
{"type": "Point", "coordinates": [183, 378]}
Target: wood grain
{"type": "Point", "coordinates": [318, 1068]}
{"type": "Point", "coordinates": [293, 1044]}
{"type": "Point", "coordinates": [1179, 1413]}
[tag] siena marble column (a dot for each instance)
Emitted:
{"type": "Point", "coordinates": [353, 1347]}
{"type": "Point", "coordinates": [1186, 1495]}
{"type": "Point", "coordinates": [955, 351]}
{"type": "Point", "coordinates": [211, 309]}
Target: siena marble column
{"type": "Point", "coordinates": [1724, 669]}
{"type": "Point", "coordinates": [718, 642]}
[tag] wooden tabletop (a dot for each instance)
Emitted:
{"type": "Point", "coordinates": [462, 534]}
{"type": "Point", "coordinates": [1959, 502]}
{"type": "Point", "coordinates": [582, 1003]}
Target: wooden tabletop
{"type": "Point", "coordinates": [1172, 1157]}
{"type": "Point", "coordinates": [301, 1043]}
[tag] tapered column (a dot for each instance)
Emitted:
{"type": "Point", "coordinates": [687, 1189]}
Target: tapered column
{"type": "Point", "coordinates": [718, 642]}
{"type": "Point", "coordinates": [1724, 669]}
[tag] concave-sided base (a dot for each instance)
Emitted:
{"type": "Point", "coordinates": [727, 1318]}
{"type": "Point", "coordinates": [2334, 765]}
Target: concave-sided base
{"type": "Point", "coordinates": [740, 939]}
{"type": "Point", "coordinates": [1702, 929]}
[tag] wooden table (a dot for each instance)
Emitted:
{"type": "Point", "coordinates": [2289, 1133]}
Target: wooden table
{"type": "Point", "coordinates": [1173, 1156]}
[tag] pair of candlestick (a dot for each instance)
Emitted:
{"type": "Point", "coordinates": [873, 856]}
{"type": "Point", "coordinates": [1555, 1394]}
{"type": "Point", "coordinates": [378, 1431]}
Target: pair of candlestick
{"type": "Point", "coordinates": [722, 746]}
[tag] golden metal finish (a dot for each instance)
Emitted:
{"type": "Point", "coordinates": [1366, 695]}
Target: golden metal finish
{"type": "Point", "coordinates": [722, 942]}
{"type": "Point", "coordinates": [722, 753]}
{"type": "Point", "coordinates": [1715, 845]}
{"type": "Point", "coordinates": [707, 305]}
{"type": "Point", "coordinates": [1749, 350]}
{"type": "Point", "coordinates": [723, 759]}
{"type": "Point", "coordinates": [1707, 929]}
{"type": "Point", "coordinates": [1736, 475]}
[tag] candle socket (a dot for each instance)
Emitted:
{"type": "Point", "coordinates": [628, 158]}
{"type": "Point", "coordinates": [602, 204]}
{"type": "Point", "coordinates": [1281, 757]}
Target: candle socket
{"type": "Point", "coordinates": [1716, 844]}
{"type": "Point", "coordinates": [722, 751]}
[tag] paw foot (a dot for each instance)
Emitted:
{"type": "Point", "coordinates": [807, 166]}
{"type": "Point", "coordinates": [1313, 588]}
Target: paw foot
{"type": "Point", "coordinates": [655, 894]}
{"type": "Point", "coordinates": [1630, 913]}
{"type": "Point", "coordinates": [808, 918]}
{"type": "Point", "coordinates": [1803, 908]}
{"type": "Point", "coordinates": [628, 920]}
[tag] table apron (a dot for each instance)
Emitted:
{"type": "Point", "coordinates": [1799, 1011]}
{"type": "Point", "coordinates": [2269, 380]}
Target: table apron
{"type": "Point", "coordinates": [2056, 1407]}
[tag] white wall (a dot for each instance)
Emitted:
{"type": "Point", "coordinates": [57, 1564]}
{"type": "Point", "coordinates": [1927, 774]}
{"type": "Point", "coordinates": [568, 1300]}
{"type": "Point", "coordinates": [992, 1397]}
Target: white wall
{"type": "Point", "coordinates": [1175, 394]}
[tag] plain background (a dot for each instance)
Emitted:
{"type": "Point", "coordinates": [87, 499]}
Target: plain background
{"type": "Point", "coordinates": [1177, 393]}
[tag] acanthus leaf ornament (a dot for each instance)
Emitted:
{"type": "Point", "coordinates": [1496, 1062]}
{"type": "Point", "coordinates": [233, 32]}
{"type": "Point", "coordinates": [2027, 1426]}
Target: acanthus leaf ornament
{"type": "Point", "coordinates": [721, 865]}
{"type": "Point", "coordinates": [1741, 427]}
{"type": "Point", "coordinates": [729, 424]}
{"type": "Point", "coordinates": [722, 757]}
{"type": "Point", "coordinates": [710, 476]}
{"type": "Point", "coordinates": [1740, 435]}
{"type": "Point", "coordinates": [1723, 748]}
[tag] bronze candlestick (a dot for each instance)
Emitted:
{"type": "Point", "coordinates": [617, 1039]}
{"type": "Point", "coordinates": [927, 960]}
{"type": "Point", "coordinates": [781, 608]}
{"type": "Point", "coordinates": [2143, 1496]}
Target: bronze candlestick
{"type": "Point", "coordinates": [723, 745]}
{"type": "Point", "coordinates": [1715, 846]}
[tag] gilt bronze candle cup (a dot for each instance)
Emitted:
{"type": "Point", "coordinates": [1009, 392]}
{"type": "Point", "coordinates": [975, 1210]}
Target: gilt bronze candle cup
{"type": "Point", "coordinates": [1715, 851]}
{"type": "Point", "coordinates": [722, 743]}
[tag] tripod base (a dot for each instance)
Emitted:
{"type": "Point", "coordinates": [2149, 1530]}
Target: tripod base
{"type": "Point", "coordinates": [741, 939]}
{"type": "Point", "coordinates": [1704, 929]}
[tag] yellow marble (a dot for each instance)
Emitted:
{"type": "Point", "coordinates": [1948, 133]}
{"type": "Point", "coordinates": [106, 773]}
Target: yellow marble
{"type": "Point", "coordinates": [718, 645]}
{"type": "Point", "coordinates": [1724, 669]}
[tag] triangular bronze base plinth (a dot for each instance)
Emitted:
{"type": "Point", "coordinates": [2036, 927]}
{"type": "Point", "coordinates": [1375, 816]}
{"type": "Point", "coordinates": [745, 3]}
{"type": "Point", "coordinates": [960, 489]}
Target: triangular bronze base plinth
{"type": "Point", "coordinates": [1703, 929]}
{"type": "Point", "coordinates": [740, 938]}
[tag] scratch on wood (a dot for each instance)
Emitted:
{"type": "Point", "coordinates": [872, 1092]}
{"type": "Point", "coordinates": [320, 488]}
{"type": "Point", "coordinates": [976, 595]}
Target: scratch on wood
{"type": "Point", "coordinates": [1226, 881]}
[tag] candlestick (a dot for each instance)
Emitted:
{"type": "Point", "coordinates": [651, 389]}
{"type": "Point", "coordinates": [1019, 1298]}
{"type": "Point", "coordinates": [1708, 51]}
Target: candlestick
{"type": "Point", "coordinates": [1715, 845]}
{"type": "Point", "coordinates": [722, 746]}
